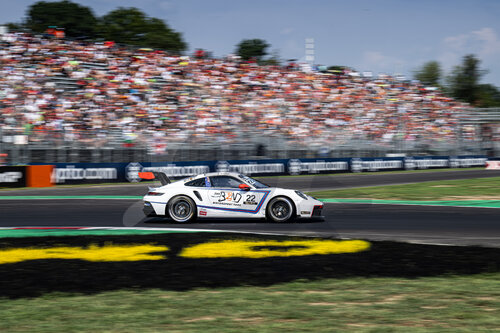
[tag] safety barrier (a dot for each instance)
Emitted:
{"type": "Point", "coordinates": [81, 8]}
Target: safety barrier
{"type": "Point", "coordinates": [77, 173]}
{"type": "Point", "coordinates": [493, 165]}
{"type": "Point", "coordinates": [26, 176]}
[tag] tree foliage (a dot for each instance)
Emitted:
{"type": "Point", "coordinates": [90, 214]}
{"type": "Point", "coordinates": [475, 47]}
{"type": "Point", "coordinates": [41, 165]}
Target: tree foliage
{"type": "Point", "coordinates": [131, 26]}
{"type": "Point", "coordinates": [464, 80]}
{"type": "Point", "coordinates": [463, 83]}
{"type": "Point", "coordinates": [489, 96]}
{"type": "Point", "coordinates": [429, 74]}
{"type": "Point", "coordinates": [252, 48]}
{"type": "Point", "coordinates": [77, 20]}
{"type": "Point", "coordinates": [273, 60]}
{"type": "Point", "coordinates": [122, 25]}
{"type": "Point", "coordinates": [14, 26]}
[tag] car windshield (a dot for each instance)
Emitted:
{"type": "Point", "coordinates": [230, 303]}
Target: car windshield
{"type": "Point", "coordinates": [254, 182]}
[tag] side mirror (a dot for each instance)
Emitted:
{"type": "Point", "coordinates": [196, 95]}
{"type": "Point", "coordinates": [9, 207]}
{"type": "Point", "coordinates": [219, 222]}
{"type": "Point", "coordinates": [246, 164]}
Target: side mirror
{"type": "Point", "coordinates": [244, 187]}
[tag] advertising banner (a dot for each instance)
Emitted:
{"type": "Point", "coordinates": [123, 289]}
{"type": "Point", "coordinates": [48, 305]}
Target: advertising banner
{"type": "Point", "coordinates": [91, 173]}
{"type": "Point", "coordinates": [78, 173]}
{"type": "Point", "coordinates": [493, 165]}
{"type": "Point", "coordinates": [13, 176]}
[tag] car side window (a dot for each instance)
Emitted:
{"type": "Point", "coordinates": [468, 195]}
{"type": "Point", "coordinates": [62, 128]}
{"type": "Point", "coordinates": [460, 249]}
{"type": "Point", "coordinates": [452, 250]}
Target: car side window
{"type": "Point", "coordinates": [225, 182]}
{"type": "Point", "coordinates": [200, 182]}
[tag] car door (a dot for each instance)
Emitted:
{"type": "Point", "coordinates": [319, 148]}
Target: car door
{"type": "Point", "coordinates": [225, 196]}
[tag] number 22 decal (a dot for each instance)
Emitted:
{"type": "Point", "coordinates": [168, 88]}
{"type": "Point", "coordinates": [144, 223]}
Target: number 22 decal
{"type": "Point", "coordinates": [250, 197]}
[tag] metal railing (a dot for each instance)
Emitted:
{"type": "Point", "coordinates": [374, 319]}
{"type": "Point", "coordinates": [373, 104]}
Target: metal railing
{"type": "Point", "coordinates": [80, 153]}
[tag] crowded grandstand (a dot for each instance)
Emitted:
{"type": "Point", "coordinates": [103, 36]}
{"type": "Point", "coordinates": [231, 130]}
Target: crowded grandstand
{"type": "Point", "coordinates": [61, 90]}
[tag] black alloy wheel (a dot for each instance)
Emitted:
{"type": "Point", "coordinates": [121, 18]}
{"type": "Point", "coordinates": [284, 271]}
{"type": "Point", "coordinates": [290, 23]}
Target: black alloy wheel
{"type": "Point", "coordinates": [182, 209]}
{"type": "Point", "coordinates": [280, 209]}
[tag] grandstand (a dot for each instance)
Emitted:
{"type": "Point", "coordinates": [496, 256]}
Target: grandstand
{"type": "Point", "coordinates": [106, 103]}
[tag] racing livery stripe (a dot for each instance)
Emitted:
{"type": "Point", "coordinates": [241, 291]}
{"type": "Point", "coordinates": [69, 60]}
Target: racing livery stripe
{"type": "Point", "coordinates": [255, 211]}
{"type": "Point", "coordinates": [156, 202]}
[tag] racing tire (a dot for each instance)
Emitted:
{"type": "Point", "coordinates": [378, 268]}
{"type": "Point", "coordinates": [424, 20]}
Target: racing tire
{"type": "Point", "coordinates": [181, 209]}
{"type": "Point", "coordinates": [280, 209]}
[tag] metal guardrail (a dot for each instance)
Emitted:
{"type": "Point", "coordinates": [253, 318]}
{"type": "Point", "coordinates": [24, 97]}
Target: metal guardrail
{"type": "Point", "coordinates": [481, 116]}
{"type": "Point", "coordinates": [26, 154]}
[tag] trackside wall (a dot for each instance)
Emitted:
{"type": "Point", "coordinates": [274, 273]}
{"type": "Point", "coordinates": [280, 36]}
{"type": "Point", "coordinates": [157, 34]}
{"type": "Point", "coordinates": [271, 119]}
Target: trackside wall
{"type": "Point", "coordinates": [26, 176]}
{"type": "Point", "coordinates": [78, 173]}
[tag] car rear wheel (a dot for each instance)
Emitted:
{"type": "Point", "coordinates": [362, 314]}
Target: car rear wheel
{"type": "Point", "coordinates": [182, 209]}
{"type": "Point", "coordinates": [280, 209]}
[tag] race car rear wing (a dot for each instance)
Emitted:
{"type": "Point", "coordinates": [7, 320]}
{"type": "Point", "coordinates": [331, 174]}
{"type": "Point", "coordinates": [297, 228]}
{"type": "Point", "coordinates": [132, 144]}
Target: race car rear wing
{"type": "Point", "coordinates": [155, 175]}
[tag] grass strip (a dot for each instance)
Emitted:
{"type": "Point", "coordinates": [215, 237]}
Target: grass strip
{"type": "Point", "coordinates": [432, 304]}
{"type": "Point", "coordinates": [462, 189]}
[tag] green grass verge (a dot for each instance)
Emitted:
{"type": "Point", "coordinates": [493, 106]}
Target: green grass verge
{"type": "Point", "coordinates": [437, 304]}
{"type": "Point", "coordinates": [436, 190]}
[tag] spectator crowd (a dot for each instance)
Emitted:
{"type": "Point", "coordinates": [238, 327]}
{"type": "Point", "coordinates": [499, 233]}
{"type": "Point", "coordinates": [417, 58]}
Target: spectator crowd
{"type": "Point", "coordinates": [145, 97]}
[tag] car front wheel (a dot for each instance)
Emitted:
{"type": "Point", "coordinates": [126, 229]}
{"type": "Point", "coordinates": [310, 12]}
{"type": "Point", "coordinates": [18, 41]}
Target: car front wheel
{"type": "Point", "coordinates": [280, 209]}
{"type": "Point", "coordinates": [182, 209]}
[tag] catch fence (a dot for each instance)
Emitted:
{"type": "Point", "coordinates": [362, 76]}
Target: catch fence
{"type": "Point", "coordinates": [27, 146]}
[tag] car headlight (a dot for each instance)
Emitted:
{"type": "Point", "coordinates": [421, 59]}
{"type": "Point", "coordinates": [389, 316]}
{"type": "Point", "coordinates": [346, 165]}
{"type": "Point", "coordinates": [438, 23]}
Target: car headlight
{"type": "Point", "coordinates": [302, 195]}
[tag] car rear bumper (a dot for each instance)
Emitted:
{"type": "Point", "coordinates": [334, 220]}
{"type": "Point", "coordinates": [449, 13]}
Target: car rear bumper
{"type": "Point", "coordinates": [148, 209]}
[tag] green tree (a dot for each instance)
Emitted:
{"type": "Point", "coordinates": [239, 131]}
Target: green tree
{"type": "Point", "coordinates": [429, 74]}
{"type": "Point", "coordinates": [463, 83]}
{"type": "Point", "coordinates": [252, 48]}
{"type": "Point", "coordinates": [489, 96]}
{"type": "Point", "coordinates": [273, 60]}
{"type": "Point", "coordinates": [132, 26]}
{"type": "Point", "coordinates": [14, 26]}
{"type": "Point", "coordinates": [336, 69]}
{"type": "Point", "coordinates": [77, 20]}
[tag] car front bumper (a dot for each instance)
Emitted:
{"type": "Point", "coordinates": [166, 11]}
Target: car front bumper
{"type": "Point", "coordinates": [310, 208]}
{"type": "Point", "coordinates": [317, 211]}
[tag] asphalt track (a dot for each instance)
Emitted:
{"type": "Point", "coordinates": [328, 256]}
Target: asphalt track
{"type": "Point", "coordinates": [422, 224]}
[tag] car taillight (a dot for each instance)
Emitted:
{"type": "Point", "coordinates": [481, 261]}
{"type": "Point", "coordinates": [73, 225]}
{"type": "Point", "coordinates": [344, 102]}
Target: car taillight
{"type": "Point", "coordinates": [155, 193]}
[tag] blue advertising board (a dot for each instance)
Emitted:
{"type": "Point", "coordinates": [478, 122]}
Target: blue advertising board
{"type": "Point", "coordinates": [77, 173]}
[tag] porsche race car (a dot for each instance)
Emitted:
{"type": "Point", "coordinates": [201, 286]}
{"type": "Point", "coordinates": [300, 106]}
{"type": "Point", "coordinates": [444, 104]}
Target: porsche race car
{"type": "Point", "coordinates": [225, 194]}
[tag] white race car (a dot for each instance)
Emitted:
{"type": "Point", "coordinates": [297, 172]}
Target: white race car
{"type": "Point", "coordinates": [225, 194]}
